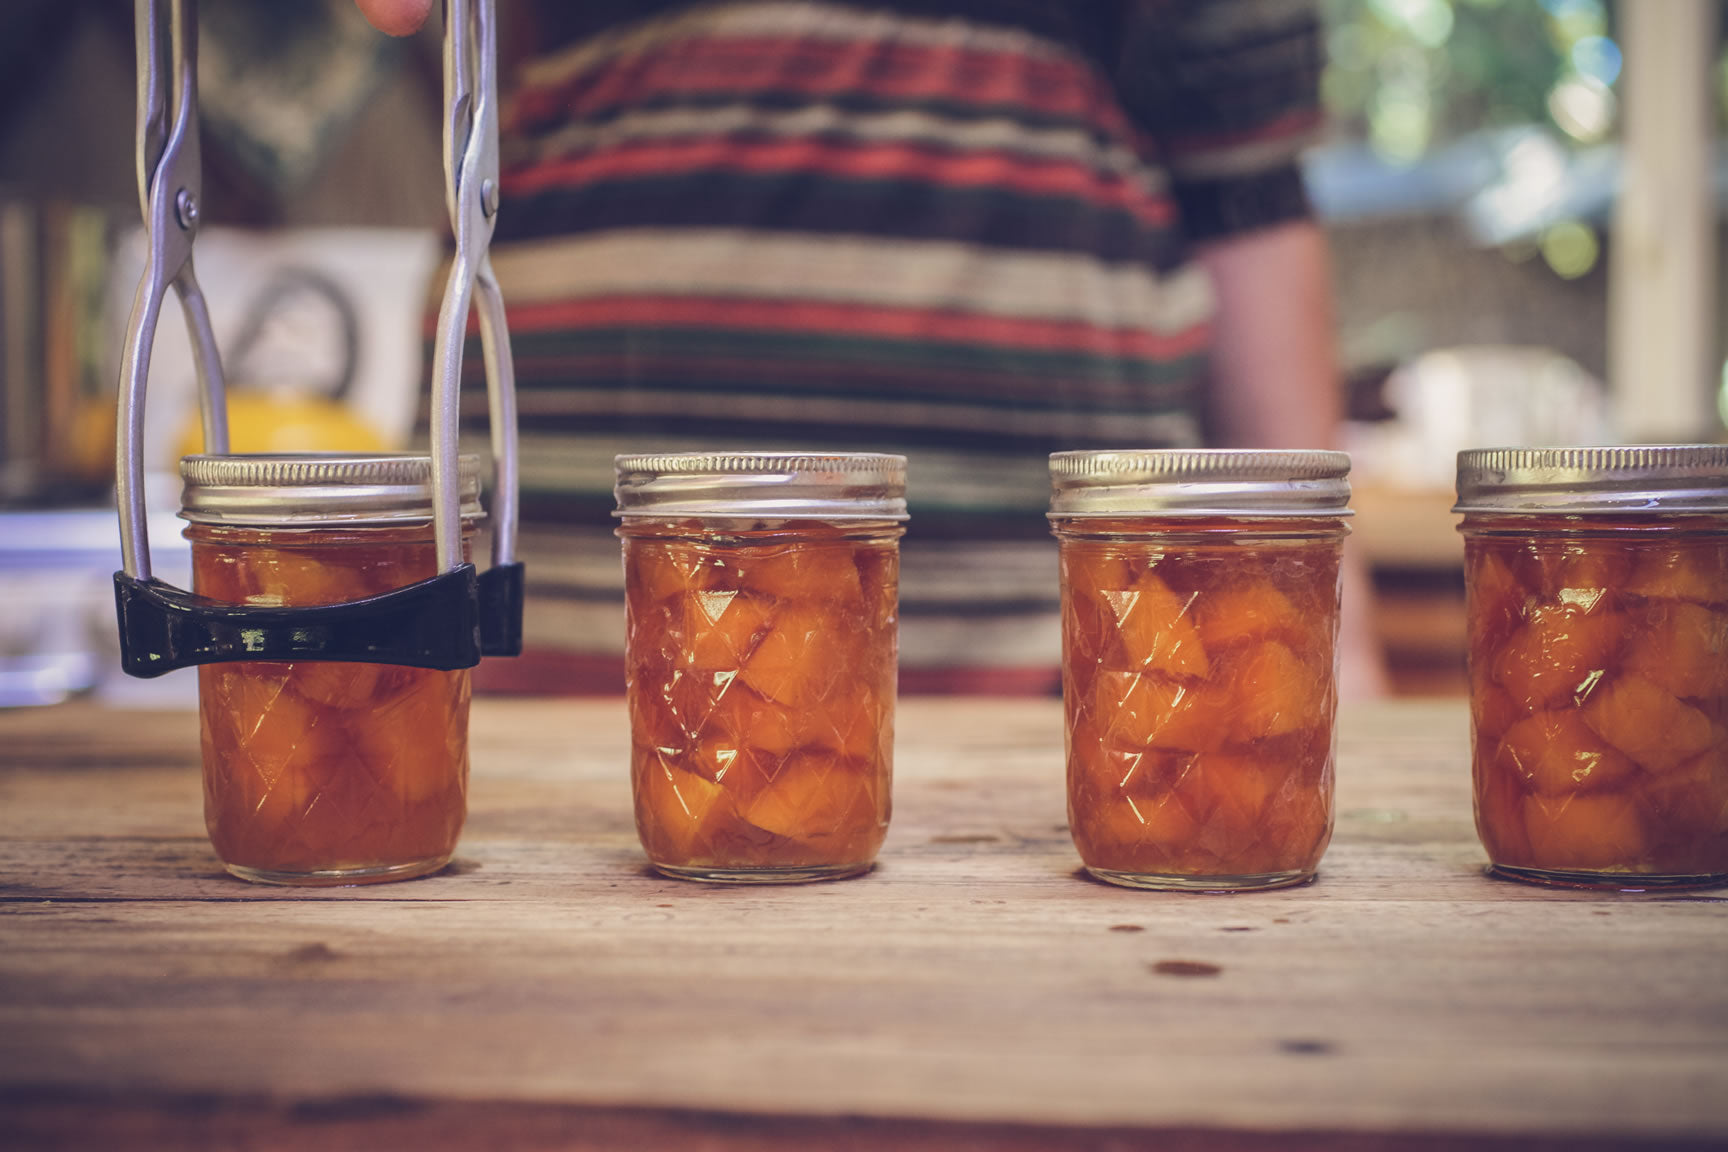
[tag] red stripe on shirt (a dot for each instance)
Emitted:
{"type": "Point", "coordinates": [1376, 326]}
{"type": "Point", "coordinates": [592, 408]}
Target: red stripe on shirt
{"type": "Point", "coordinates": [804, 316]}
{"type": "Point", "coordinates": [1291, 124]}
{"type": "Point", "coordinates": [868, 383]}
{"type": "Point", "coordinates": [822, 68]}
{"type": "Point", "coordinates": [847, 160]}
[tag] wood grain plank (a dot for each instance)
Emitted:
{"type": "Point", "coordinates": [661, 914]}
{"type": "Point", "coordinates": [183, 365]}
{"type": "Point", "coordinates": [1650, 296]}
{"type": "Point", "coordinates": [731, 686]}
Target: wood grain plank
{"type": "Point", "coordinates": [974, 979]}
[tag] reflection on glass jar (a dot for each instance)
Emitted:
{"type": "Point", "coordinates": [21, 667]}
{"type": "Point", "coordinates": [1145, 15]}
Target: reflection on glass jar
{"type": "Point", "coordinates": [1199, 630]}
{"type": "Point", "coordinates": [323, 772]}
{"type": "Point", "coordinates": [761, 660]}
{"type": "Point", "coordinates": [1598, 629]}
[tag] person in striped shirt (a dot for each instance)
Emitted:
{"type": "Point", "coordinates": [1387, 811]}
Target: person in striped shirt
{"type": "Point", "coordinates": [971, 231]}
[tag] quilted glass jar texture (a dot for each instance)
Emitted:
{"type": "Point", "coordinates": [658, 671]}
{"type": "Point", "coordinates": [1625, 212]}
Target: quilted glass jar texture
{"type": "Point", "coordinates": [761, 658]}
{"type": "Point", "coordinates": [1597, 605]}
{"type": "Point", "coordinates": [1200, 606]}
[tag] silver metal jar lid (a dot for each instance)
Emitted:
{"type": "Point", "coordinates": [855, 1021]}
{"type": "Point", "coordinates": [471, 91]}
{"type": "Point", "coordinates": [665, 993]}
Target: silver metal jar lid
{"type": "Point", "coordinates": [306, 489]}
{"type": "Point", "coordinates": [1199, 482]}
{"type": "Point", "coordinates": [763, 485]}
{"type": "Point", "coordinates": [1593, 481]}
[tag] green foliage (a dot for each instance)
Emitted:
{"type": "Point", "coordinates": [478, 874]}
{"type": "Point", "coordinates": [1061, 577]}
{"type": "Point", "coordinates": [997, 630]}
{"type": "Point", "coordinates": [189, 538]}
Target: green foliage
{"type": "Point", "coordinates": [1407, 75]}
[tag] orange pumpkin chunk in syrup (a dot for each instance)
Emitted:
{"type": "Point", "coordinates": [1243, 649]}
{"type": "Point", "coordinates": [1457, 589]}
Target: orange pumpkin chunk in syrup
{"type": "Point", "coordinates": [318, 766]}
{"type": "Point", "coordinates": [1609, 753]}
{"type": "Point", "coordinates": [1200, 707]}
{"type": "Point", "coordinates": [761, 680]}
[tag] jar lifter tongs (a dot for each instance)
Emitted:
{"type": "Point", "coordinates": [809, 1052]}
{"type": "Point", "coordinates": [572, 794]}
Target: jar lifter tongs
{"type": "Point", "coordinates": [448, 621]}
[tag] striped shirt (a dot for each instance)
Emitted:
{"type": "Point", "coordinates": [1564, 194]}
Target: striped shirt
{"type": "Point", "coordinates": [955, 230]}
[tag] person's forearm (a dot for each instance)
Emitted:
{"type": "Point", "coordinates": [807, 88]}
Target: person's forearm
{"type": "Point", "coordinates": [1275, 384]}
{"type": "Point", "coordinates": [1275, 377]}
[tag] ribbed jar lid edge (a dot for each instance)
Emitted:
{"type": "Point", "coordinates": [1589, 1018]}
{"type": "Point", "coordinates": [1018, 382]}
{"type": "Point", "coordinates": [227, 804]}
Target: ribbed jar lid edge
{"type": "Point", "coordinates": [307, 488]}
{"type": "Point", "coordinates": [1175, 464]}
{"type": "Point", "coordinates": [1594, 479]}
{"type": "Point", "coordinates": [1195, 482]}
{"type": "Point", "coordinates": [741, 463]}
{"type": "Point", "coordinates": [762, 485]}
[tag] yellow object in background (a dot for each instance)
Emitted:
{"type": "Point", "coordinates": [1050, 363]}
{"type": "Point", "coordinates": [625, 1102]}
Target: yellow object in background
{"type": "Point", "coordinates": [264, 422]}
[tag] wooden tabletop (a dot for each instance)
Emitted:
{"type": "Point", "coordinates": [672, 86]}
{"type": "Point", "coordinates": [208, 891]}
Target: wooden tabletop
{"type": "Point", "coordinates": [975, 991]}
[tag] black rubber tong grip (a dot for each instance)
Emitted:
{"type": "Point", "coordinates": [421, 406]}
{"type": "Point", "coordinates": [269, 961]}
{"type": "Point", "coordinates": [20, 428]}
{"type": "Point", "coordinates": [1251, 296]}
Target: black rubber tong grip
{"type": "Point", "coordinates": [437, 623]}
{"type": "Point", "coordinates": [501, 590]}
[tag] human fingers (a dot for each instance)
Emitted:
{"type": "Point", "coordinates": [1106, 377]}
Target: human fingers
{"type": "Point", "coordinates": [396, 17]}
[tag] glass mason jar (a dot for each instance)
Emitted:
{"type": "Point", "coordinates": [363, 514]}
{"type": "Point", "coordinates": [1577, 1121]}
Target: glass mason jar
{"type": "Point", "coordinates": [1597, 585]}
{"type": "Point", "coordinates": [320, 772]}
{"type": "Point", "coordinates": [1200, 596]}
{"type": "Point", "coordinates": [761, 653]}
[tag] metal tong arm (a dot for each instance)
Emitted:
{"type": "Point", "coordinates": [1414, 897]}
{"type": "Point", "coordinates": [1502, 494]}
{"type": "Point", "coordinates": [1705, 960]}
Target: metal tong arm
{"type": "Point", "coordinates": [471, 197]}
{"type": "Point", "coordinates": [169, 191]}
{"type": "Point", "coordinates": [449, 621]}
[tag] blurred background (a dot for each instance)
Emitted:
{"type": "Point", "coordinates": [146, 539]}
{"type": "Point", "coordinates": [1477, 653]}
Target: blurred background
{"type": "Point", "coordinates": [1522, 198]}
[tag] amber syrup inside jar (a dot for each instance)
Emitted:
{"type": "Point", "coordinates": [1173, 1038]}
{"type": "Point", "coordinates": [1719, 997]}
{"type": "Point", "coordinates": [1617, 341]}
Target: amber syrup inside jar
{"type": "Point", "coordinates": [761, 658]}
{"type": "Point", "coordinates": [1199, 651]}
{"type": "Point", "coordinates": [1597, 583]}
{"type": "Point", "coordinates": [322, 772]}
